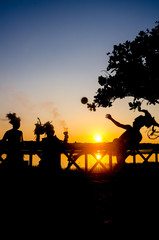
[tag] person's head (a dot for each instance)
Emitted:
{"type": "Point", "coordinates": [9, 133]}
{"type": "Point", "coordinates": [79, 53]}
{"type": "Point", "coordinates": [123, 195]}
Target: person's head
{"type": "Point", "coordinates": [139, 122]}
{"type": "Point", "coordinates": [14, 120]}
{"type": "Point", "coordinates": [49, 129]}
{"type": "Point", "coordinates": [146, 120]}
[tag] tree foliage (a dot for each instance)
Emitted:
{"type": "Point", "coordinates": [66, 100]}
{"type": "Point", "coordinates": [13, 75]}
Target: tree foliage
{"type": "Point", "coordinates": [133, 71]}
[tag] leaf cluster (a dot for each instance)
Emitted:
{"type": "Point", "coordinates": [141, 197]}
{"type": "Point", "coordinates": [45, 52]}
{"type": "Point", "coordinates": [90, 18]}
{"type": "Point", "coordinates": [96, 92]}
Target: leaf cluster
{"type": "Point", "coordinates": [132, 71]}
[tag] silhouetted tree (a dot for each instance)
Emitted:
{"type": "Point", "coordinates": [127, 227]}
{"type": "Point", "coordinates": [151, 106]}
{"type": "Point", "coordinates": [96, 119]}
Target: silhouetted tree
{"type": "Point", "coordinates": [132, 72]}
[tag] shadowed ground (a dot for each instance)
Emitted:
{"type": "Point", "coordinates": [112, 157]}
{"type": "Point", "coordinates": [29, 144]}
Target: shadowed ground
{"type": "Point", "coordinates": [34, 199]}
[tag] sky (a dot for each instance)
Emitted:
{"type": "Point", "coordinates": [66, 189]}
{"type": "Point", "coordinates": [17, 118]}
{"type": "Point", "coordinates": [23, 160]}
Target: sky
{"type": "Point", "coordinates": [51, 54]}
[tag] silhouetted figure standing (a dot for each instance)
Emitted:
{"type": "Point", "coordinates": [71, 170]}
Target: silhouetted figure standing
{"type": "Point", "coordinates": [51, 149]}
{"type": "Point", "coordinates": [132, 136]}
{"type": "Point", "coordinates": [66, 136]}
{"type": "Point", "coordinates": [14, 139]}
{"type": "Point", "coordinates": [39, 130]}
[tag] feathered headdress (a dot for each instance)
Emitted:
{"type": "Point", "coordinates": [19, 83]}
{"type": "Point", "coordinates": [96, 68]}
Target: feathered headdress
{"type": "Point", "coordinates": [49, 128]}
{"type": "Point", "coordinates": [13, 118]}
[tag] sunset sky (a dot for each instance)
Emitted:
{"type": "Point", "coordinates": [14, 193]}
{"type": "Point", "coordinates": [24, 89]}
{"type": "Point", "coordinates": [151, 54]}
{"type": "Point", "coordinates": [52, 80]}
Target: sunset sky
{"type": "Point", "coordinates": [51, 54]}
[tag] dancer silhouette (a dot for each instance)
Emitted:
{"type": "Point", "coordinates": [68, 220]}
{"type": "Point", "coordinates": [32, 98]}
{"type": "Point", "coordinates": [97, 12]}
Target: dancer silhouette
{"type": "Point", "coordinates": [132, 136]}
{"type": "Point", "coordinates": [14, 139]}
{"type": "Point", "coordinates": [51, 149]}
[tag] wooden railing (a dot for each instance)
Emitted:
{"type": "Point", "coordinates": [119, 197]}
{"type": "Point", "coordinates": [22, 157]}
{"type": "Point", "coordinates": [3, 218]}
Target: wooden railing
{"type": "Point", "coordinates": [147, 153]}
{"type": "Point", "coordinates": [97, 151]}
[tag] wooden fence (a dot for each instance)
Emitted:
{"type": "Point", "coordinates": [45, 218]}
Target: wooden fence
{"type": "Point", "coordinates": [97, 151]}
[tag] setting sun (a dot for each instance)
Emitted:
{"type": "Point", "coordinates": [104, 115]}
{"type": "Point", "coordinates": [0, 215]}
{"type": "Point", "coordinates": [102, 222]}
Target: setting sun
{"type": "Point", "coordinates": [98, 138]}
{"type": "Point", "coordinates": [98, 156]}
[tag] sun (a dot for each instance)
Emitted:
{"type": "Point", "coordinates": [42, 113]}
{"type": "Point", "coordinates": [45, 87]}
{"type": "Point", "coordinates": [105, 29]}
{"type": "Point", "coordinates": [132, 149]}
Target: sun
{"type": "Point", "coordinates": [98, 138]}
{"type": "Point", "coordinates": [98, 156]}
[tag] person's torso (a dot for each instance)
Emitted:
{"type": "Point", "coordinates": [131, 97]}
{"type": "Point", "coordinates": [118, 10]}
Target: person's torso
{"type": "Point", "coordinates": [14, 136]}
{"type": "Point", "coordinates": [130, 137]}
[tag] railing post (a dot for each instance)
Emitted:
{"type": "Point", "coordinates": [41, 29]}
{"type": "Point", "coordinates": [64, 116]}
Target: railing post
{"type": "Point", "coordinates": [86, 162]}
{"type": "Point", "coordinates": [110, 161]}
{"type": "Point", "coordinates": [134, 157]}
{"type": "Point", "coordinates": [156, 156]}
{"type": "Point", "coordinates": [30, 160]}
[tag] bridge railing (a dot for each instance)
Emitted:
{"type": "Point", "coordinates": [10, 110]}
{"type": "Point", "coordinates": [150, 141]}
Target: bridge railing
{"type": "Point", "coordinates": [96, 151]}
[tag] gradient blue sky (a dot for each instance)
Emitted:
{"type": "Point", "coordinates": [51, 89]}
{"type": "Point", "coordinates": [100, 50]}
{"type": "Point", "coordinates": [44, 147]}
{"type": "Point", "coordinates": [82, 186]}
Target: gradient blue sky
{"type": "Point", "coordinates": [51, 54]}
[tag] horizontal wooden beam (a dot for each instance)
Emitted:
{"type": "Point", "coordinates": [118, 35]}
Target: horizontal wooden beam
{"type": "Point", "coordinates": [73, 151]}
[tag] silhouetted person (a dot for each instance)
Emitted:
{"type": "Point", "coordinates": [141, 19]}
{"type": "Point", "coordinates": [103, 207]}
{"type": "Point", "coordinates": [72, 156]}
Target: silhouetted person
{"type": "Point", "coordinates": [132, 136]}
{"type": "Point", "coordinates": [39, 130]}
{"type": "Point", "coordinates": [66, 136]}
{"type": "Point", "coordinates": [14, 139]}
{"type": "Point", "coordinates": [51, 149]}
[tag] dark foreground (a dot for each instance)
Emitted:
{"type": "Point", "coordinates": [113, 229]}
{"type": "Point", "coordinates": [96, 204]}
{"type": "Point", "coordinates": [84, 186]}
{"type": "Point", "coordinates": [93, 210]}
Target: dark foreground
{"type": "Point", "coordinates": [34, 199]}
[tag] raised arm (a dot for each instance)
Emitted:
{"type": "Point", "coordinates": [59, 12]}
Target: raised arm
{"type": "Point", "coordinates": [117, 123]}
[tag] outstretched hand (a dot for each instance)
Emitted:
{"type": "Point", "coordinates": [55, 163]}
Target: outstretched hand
{"type": "Point", "coordinates": [108, 116]}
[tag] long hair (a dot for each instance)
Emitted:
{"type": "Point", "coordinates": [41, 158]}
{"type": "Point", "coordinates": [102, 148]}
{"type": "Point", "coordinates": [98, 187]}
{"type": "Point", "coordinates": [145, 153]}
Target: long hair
{"type": "Point", "coordinates": [149, 120]}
